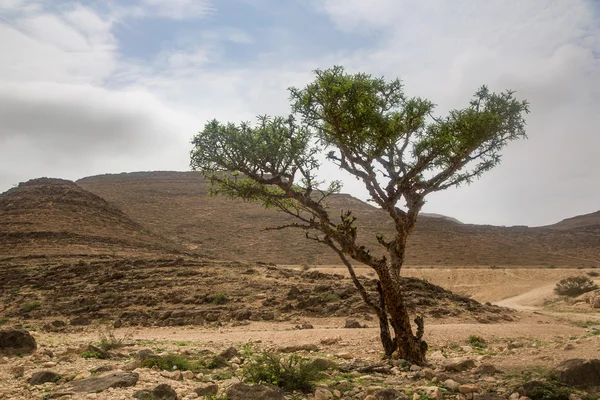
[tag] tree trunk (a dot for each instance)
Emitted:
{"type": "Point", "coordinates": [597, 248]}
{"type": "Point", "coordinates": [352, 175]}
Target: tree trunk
{"type": "Point", "coordinates": [408, 346]}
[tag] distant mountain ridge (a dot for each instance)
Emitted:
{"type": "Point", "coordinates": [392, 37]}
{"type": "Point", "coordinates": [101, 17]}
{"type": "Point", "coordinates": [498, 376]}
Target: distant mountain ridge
{"type": "Point", "coordinates": [177, 206]}
{"type": "Point", "coordinates": [585, 221]}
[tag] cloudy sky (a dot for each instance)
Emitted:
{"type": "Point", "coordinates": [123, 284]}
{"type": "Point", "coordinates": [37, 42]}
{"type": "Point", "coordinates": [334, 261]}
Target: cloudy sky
{"type": "Point", "coordinates": [90, 87]}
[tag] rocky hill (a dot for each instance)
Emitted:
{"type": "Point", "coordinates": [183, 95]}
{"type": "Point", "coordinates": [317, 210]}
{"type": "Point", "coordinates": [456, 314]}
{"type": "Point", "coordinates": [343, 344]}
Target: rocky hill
{"type": "Point", "coordinates": [54, 218]}
{"type": "Point", "coordinates": [177, 206]}
{"type": "Point", "coordinates": [583, 222]}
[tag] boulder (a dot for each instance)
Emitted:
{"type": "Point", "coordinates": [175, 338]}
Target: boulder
{"type": "Point", "coordinates": [578, 372]}
{"type": "Point", "coordinates": [352, 323]}
{"type": "Point", "coordinates": [230, 353]}
{"type": "Point", "coordinates": [161, 392]}
{"type": "Point", "coordinates": [241, 391]}
{"type": "Point", "coordinates": [16, 341]}
{"type": "Point", "coordinates": [99, 383]}
{"type": "Point", "coordinates": [43, 376]}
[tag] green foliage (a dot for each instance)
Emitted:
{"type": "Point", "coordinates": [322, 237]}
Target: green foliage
{"type": "Point", "coordinates": [172, 362]}
{"type": "Point", "coordinates": [30, 306]}
{"type": "Point", "coordinates": [551, 390]}
{"type": "Point", "coordinates": [574, 286]}
{"type": "Point", "coordinates": [219, 298]}
{"type": "Point", "coordinates": [290, 373]}
{"type": "Point", "coordinates": [92, 354]}
{"type": "Point", "coordinates": [4, 321]}
{"type": "Point", "coordinates": [477, 341]}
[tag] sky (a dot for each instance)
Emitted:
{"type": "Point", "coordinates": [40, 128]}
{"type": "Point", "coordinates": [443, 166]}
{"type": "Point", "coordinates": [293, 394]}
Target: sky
{"type": "Point", "coordinates": [93, 87]}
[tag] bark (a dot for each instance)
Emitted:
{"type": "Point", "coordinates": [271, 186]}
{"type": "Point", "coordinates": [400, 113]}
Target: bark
{"type": "Point", "coordinates": [408, 346]}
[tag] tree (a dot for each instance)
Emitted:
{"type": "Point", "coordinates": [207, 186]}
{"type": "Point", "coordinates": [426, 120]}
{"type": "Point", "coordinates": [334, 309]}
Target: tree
{"type": "Point", "coordinates": [391, 142]}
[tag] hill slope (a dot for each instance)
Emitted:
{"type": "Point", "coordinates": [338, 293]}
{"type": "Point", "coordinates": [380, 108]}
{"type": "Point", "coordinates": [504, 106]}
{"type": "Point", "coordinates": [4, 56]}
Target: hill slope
{"type": "Point", "coordinates": [587, 221]}
{"type": "Point", "coordinates": [52, 218]}
{"type": "Point", "coordinates": [176, 205]}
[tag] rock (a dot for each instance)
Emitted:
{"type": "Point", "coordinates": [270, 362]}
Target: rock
{"type": "Point", "coordinates": [351, 323]}
{"type": "Point", "coordinates": [345, 356]}
{"type": "Point", "coordinates": [268, 316]}
{"type": "Point", "coordinates": [388, 394]}
{"type": "Point", "coordinates": [459, 365]}
{"type": "Point", "coordinates": [208, 390]}
{"type": "Point", "coordinates": [415, 368]}
{"type": "Point", "coordinates": [292, 348]}
{"type": "Point", "coordinates": [323, 394]}
{"type": "Point", "coordinates": [131, 365]}
{"type": "Point", "coordinates": [43, 376]}
{"type": "Point", "coordinates": [230, 353]}
{"type": "Point", "coordinates": [578, 372]}
{"type": "Point", "coordinates": [437, 356]}
{"type": "Point", "coordinates": [13, 341]}
{"type": "Point", "coordinates": [161, 392]}
{"type": "Point", "coordinates": [466, 389]}
{"type": "Point", "coordinates": [102, 368]}
{"type": "Point", "coordinates": [324, 364]}
{"type": "Point", "coordinates": [218, 362]}
{"type": "Point", "coordinates": [96, 351]}
{"type": "Point", "coordinates": [304, 326]}
{"type": "Point", "coordinates": [451, 384]}
{"type": "Point", "coordinates": [432, 392]}
{"type": "Point", "coordinates": [486, 369]}
{"type": "Point", "coordinates": [144, 354]}
{"type": "Point", "coordinates": [241, 391]}
{"type": "Point", "coordinates": [17, 371]}
{"type": "Point", "coordinates": [174, 375]}
{"type": "Point", "coordinates": [569, 347]}
{"type": "Point", "coordinates": [187, 375]}
{"type": "Point", "coordinates": [99, 383]}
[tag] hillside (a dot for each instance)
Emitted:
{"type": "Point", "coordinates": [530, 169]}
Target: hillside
{"type": "Point", "coordinates": [53, 218]}
{"type": "Point", "coordinates": [177, 206]}
{"type": "Point", "coordinates": [587, 222]}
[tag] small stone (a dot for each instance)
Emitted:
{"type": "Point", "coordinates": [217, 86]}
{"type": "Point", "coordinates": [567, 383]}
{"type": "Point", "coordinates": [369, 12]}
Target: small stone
{"type": "Point", "coordinates": [174, 375]}
{"type": "Point", "coordinates": [345, 356]}
{"type": "Point", "coordinates": [459, 365]}
{"type": "Point", "coordinates": [323, 394]}
{"type": "Point", "coordinates": [293, 348]}
{"type": "Point", "coordinates": [465, 389]}
{"type": "Point", "coordinates": [569, 347]}
{"type": "Point", "coordinates": [415, 368]}
{"type": "Point", "coordinates": [187, 375]}
{"type": "Point", "coordinates": [451, 385]}
{"type": "Point", "coordinates": [131, 365]}
{"type": "Point", "coordinates": [17, 371]}
{"type": "Point", "coordinates": [49, 364]}
{"type": "Point", "coordinates": [208, 390]}
{"type": "Point", "coordinates": [433, 392]}
{"type": "Point", "coordinates": [352, 324]}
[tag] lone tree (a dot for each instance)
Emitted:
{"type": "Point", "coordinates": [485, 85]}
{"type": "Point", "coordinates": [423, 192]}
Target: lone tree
{"type": "Point", "coordinates": [392, 143]}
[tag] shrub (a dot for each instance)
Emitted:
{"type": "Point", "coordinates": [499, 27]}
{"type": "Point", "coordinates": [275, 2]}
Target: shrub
{"type": "Point", "coordinates": [574, 286]}
{"type": "Point", "coordinates": [291, 373]}
{"type": "Point", "coordinates": [593, 273]}
{"type": "Point", "coordinates": [219, 298]}
{"type": "Point", "coordinates": [109, 341]}
{"type": "Point", "coordinates": [30, 306]}
{"type": "Point", "coordinates": [476, 341]}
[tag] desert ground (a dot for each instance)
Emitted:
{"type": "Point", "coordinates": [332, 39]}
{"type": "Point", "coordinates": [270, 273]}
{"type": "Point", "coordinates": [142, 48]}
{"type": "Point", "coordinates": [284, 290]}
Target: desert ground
{"type": "Point", "coordinates": [542, 332]}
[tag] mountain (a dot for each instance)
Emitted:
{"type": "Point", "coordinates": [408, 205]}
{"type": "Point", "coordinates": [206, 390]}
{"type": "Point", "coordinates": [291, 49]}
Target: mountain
{"type": "Point", "coordinates": [48, 217]}
{"type": "Point", "coordinates": [587, 222]}
{"type": "Point", "coordinates": [176, 205]}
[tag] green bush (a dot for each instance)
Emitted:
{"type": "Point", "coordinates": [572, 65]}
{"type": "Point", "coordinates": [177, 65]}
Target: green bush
{"type": "Point", "coordinates": [291, 373]}
{"type": "Point", "coordinates": [109, 341]}
{"type": "Point", "coordinates": [219, 298]}
{"type": "Point", "coordinates": [574, 286]}
{"type": "Point", "coordinates": [550, 391]}
{"type": "Point", "coordinates": [476, 341]}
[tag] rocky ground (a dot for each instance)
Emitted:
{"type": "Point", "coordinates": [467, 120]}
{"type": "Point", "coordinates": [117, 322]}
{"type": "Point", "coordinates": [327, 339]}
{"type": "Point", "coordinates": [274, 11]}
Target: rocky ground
{"type": "Point", "coordinates": [181, 333]}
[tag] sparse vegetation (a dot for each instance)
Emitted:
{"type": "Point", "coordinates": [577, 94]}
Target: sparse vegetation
{"type": "Point", "coordinates": [289, 373]}
{"type": "Point", "coordinates": [593, 274]}
{"type": "Point", "coordinates": [574, 286]}
{"type": "Point", "coordinates": [110, 341]}
{"type": "Point", "coordinates": [30, 306]}
{"type": "Point", "coordinates": [477, 342]}
{"type": "Point", "coordinates": [219, 298]}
